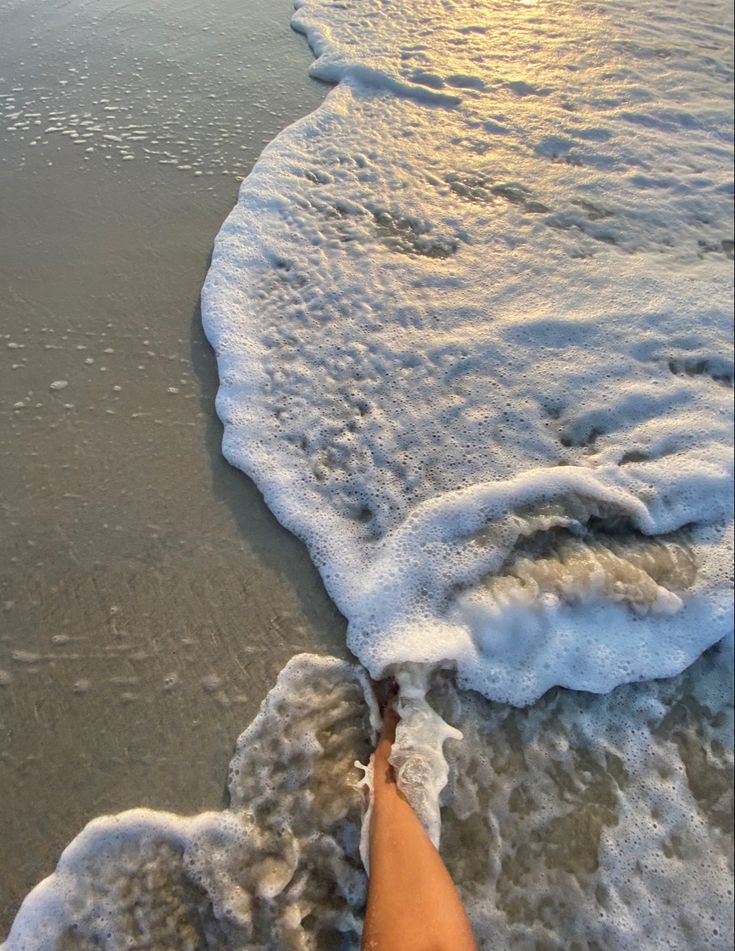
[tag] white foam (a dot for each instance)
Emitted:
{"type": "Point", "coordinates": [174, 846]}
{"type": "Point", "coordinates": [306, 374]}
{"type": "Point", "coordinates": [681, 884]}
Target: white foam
{"type": "Point", "coordinates": [596, 822]}
{"type": "Point", "coordinates": [281, 864]}
{"type": "Point", "coordinates": [488, 276]}
{"type": "Point", "coordinates": [581, 822]}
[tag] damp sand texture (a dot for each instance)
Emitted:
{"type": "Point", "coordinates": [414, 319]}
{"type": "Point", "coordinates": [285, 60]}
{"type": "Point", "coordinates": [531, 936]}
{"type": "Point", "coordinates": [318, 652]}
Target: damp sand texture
{"type": "Point", "coordinates": [144, 583]}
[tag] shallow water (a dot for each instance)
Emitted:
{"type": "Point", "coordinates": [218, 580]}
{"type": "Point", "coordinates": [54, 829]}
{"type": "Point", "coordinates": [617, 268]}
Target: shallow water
{"type": "Point", "coordinates": [582, 822]}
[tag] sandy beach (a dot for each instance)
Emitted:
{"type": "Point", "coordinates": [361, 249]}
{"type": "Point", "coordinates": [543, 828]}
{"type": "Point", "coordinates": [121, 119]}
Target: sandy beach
{"type": "Point", "coordinates": [144, 582]}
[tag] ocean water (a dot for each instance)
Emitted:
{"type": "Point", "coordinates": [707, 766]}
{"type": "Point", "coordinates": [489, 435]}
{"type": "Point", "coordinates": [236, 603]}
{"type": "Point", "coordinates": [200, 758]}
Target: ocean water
{"type": "Point", "coordinates": [582, 822]}
{"type": "Point", "coordinates": [473, 320]}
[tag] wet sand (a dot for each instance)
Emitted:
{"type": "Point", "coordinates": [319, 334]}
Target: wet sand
{"type": "Point", "coordinates": [148, 596]}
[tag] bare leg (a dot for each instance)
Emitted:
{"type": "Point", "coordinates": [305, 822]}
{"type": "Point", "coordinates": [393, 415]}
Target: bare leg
{"type": "Point", "coordinates": [413, 904]}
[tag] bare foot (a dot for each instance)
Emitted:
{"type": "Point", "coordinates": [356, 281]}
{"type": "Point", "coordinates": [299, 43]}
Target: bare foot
{"type": "Point", "coordinates": [383, 772]}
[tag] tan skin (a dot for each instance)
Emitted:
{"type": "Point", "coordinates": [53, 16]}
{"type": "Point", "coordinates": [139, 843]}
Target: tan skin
{"type": "Point", "coordinates": [413, 904]}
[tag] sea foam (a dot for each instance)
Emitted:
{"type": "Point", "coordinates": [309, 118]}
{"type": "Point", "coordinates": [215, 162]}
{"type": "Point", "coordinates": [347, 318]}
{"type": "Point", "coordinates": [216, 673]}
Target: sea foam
{"type": "Point", "coordinates": [582, 822]}
{"type": "Point", "coordinates": [280, 868]}
{"type": "Point", "coordinates": [474, 313]}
